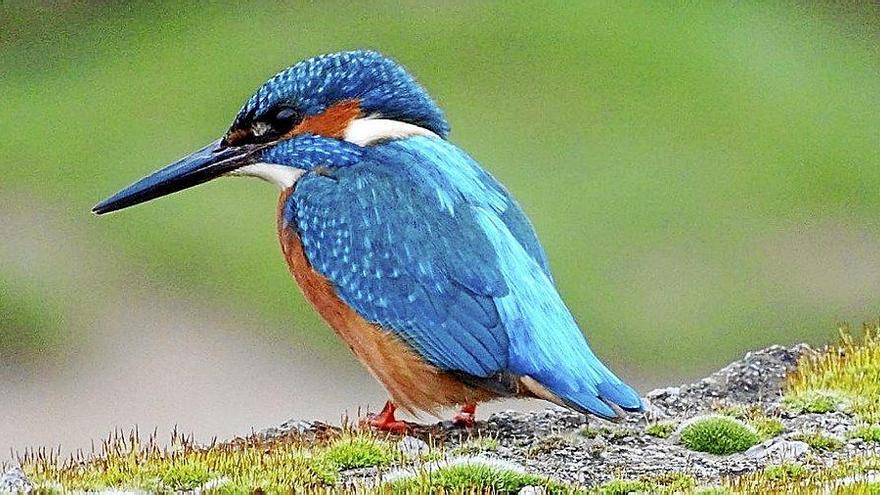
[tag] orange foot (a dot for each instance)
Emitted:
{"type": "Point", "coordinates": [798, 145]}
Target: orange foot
{"type": "Point", "coordinates": [385, 421]}
{"type": "Point", "coordinates": [465, 417]}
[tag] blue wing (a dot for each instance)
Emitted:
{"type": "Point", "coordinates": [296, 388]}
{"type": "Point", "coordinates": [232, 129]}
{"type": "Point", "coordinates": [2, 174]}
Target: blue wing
{"type": "Point", "coordinates": [419, 239]}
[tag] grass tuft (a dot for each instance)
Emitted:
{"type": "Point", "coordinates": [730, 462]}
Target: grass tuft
{"type": "Point", "coordinates": [660, 429]}
{"type": "Point", "coordinates": [547, 445]}
{"type": "Point", "coordinates": [359, 451]}
{"type": "Point", "coordinates": [786, 473]}
{"type": "Point", "coordinates": [819, 441]}
{"type": "Point", "coordinates": [767, 428]}
{"type": "Point", "coordinates": [754, 415]}
{"type": "Point", "coordinates": [845, 375]}
{"type": "Point", "coordinates": [476, 446]}
{"type": "Point", "coordinates": [624, 487]}
{"type": "Point", "coordinates": [472, 477]}
{"type": "Point", "coordinates": [814, 401]}
{"type": "Point", "coordinates": [868, 433]}
{"type": "Point", "coordinates": [662, 483]}
{"type": "Point", "coordinates": [719, 435]}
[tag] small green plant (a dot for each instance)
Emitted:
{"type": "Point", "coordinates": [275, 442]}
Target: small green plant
{"type": "Point", "coordinates": [739, 411]}
{"type": "Point", "coordinates": [844, 375]}
{"type": "Point", "coordinates": [358, 451]}
{"type": "Point", "coordinates": [786, 473]}
{"type": "Point", "coordinates": [673, 482]}
{"type": "Point", "coordinates": [660, 483]}
{"type": "Point", "coordinates": [625, 487]}
{"type": "Point", "coordinates": [767, 427]}
{"type": "Point", "coordinates": [660, 429]}
{"type": "Point", "coordinates": [754, 415]}
{"type": "Point", "coordinates": [185, 476]}
{"type": "Point", "coordinates": [813, 401]}
{"type": "Point", "coordinates": [476, 446]}
{"type": "Point", "coordinates": [719, 435]}
{"type": "Point", "coordinates": [547, 444]}
{"type": "Point", "coordinates": [819, 440]}
{"type": "Point", "coordinates": [472, 477]}
{"type": "Point", "coordinates": [869, 433]}
{"type": "Point", "coordinates": [713, 490]}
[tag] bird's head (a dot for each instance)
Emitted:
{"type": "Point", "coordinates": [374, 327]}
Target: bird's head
{"type": "Point", "coordinates": [320, 111]}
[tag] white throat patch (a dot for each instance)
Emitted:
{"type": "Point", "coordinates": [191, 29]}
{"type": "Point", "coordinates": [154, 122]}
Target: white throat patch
{"type": "Point", "coordinates": [281, 175]}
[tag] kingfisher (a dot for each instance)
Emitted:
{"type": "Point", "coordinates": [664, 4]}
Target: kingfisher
{"type": "Point", "coordinates": [416, 257]}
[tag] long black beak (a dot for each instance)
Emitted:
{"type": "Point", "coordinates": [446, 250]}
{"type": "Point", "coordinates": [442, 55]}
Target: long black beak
{"type": "Point", "coordinates": [201, 166]}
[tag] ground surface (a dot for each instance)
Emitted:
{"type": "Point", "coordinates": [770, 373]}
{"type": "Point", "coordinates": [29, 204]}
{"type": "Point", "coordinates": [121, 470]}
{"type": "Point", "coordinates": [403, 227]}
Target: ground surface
{"type": "Point", "coordinates": [794, 445]}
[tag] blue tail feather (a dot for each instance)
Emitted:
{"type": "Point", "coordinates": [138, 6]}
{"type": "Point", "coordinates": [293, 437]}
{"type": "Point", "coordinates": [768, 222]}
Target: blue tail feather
{"type": "Point", "coordinates": [621, 394]}
{"type": "Point", "coordinates": [587, 396]}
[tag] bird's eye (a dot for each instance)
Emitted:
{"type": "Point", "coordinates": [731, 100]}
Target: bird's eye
{"type": "Point", "coordinates": [284, 119]}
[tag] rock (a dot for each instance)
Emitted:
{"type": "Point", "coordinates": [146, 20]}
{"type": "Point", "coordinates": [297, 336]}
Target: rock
{"type": "Point", "coordinates": [532, 490]}
{"type": "Point", "coordinates": [413, 448]}
{"type": "Point", "coordinates": [777, 449]}
{"type": "Point", "coordinates": [755, 379]}
{"type": "Point", "coordinates": [14, 480]}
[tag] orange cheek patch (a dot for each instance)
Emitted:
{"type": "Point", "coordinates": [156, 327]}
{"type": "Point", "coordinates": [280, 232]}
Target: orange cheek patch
{"type": "Point", "coordinates": [332, 122]}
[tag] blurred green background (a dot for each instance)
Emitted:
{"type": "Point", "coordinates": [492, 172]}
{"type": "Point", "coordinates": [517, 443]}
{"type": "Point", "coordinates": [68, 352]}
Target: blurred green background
{"type": "Point", "coordinates": [704, 178]}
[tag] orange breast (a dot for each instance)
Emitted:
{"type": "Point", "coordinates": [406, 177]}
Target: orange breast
{"type": "Point", "coordinates": [413, 383]}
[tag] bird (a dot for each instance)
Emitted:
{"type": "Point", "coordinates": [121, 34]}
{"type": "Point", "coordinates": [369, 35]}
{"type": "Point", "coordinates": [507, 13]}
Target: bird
{"type": "Point", "coordinates": [416, 256]}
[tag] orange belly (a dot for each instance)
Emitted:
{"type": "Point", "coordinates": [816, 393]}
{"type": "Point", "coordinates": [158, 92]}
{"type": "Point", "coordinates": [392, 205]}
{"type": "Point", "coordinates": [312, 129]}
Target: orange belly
{"type": "Point", "coordinates": [412, 382]}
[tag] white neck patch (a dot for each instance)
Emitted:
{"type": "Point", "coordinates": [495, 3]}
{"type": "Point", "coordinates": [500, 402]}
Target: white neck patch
{"type": "Point", "coordinates": [282, 176]}
{"type": "Point", "coordinates": [366, 131]}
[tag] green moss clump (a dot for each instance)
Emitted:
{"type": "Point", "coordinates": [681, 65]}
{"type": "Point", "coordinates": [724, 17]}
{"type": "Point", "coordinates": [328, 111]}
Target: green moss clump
{"type": "Point", "coordinates": [739, 411]}
{"type": "Point", "coordinates": [661, 483]}
{"type": "Point", "coordinates": [352, 452]}
{"type": "Point", "coordinates": [819, 441]}
{"type": "Point", "coordinates": [713, 490]}
{"type": "Point", "coordinates": [186, 476]}
{"type": "Point", "coordinates": [476, 446]}
{"type": "Point", "coordinates": [660, 429]}
{"type": "Point", "coordinates": [473, 478]}
{"type": "Point", "coordinates": [787, 472]}
{"type": "Point", "coordinates": [767, 427]}
{"type": "Point", "coordinates": [813, 401]}
{"type": "Point", "coordinates": [625, 487]}
{"type": "Point", "coordinates": [718, 435]}
{"type": "Point", "coordinates": [870, 433]}
{"type": "Point", "coordinates": [845, 375]}
{"type": "Point", "coordinates": [673, 482]}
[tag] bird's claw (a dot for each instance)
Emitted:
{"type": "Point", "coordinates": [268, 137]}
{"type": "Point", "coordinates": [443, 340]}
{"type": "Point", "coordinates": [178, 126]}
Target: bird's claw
{"type": "Point", "coordinates": [465, 417]}
{"type": "Point", "coordinates": [385, 420]}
